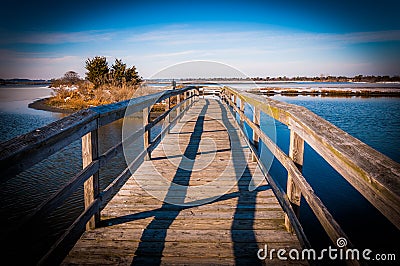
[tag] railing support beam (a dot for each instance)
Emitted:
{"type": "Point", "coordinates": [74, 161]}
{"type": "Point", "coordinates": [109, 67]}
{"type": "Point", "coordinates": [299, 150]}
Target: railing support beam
{"type": "Point", "coordinates": [256, 138]}
{"type": "Point", "coordinates": [296, 152]}
{"type": "Point", "coordinates": [241, 110]}
{"type": "Point", "coordinates": [146, 134]}
{"type": "Point", "coordinates": [166, 109]}
{"type": "Point", "coordinates": [90, 152]}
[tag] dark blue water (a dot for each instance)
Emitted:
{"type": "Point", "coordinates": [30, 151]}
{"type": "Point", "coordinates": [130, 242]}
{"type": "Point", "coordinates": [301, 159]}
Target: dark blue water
{"type": "Point", "coordinates": [375, 121]}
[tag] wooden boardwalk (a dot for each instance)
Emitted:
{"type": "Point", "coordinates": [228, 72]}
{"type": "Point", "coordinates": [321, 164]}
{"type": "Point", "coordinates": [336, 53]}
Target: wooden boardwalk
{"type": "Point", "coordinates": [218, 209]}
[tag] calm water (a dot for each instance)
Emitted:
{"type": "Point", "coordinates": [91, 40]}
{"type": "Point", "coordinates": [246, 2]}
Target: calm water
{"type": "Point", "coordinates": [375, 121]}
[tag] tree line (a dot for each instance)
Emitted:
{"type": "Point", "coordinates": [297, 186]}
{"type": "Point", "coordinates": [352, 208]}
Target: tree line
{"type": "Point", "coordinates": [99, 73]}
{"type": "Point", "coordinates": [321, 78]}
{"type": "Point", "coordinates": [329, 78]}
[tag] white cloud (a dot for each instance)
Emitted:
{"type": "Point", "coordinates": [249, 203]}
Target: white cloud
{"type": "Point", "coordinates": [55, 37]}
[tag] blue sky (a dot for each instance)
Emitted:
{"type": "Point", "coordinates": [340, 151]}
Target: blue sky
{"type": "Point", "coordinates": [44, 39]}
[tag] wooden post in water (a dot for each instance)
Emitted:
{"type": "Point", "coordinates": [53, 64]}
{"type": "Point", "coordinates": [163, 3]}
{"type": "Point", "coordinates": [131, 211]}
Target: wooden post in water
{"type": "Point", "coordinates": [296, 151]}
{"type": "Point", "coordinates": [256, 138]}
{"type": "Point", "coordinates": [90, 152]}
{"type": "Point", "coordinates": [146, 134]}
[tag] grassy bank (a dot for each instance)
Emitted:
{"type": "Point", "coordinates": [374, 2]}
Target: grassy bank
{"type": "Point", "coordinates": [71, 99]}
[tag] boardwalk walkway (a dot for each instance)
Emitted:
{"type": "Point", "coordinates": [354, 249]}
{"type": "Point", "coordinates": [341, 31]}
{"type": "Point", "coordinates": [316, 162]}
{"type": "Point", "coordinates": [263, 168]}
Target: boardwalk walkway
{"type": "Point", "coordinates": [218, 210]}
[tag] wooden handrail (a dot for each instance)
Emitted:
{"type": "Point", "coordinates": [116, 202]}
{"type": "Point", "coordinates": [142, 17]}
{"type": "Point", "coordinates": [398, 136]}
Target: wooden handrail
{"type": "Point", "coordinates": [20, 153]}
{"type": "Point", "coordinates": [373, 174]}
{"type": "Point", "coordinates": [330, 225]}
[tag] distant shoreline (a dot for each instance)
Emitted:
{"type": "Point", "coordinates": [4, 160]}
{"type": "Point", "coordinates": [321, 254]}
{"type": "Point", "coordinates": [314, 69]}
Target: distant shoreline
{"type": "Point", "coordinates": [328, 91]}
{"type": "Point", "coordinates": [41, 104]}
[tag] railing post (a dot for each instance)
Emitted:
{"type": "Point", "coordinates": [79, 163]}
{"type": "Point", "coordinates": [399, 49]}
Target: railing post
{"type": "Point", "coordinates": [242, 113]}
{"type": "Point", "coordinates": [296, 151]}
{"type": "Point", "coordinates": [184, 98]}
{"type": "Point", "coordinates": [178, 101]}
{"type": "Point", "coordinates": [146, 134]}
{"type": "Point", "coordinates": [256, 138]}
{"type": "Point", "coordinates": [167, 107]}
{"type": "Point", "coordinates": [90, 152]}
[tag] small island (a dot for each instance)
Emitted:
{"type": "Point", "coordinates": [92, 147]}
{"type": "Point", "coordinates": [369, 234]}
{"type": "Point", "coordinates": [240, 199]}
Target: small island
{"type": "Point", "coordinates": [102, 85]}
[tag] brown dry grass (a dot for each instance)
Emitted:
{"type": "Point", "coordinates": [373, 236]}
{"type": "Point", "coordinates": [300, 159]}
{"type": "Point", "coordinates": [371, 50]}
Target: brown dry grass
{"type": "Point", "coordinates": [86, 96]}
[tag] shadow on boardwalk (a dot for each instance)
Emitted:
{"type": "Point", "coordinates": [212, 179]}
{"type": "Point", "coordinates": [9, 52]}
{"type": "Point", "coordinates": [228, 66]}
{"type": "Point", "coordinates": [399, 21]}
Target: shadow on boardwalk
{"type": "Point", "coordinates": [244, 242]}
{"type": "Point", "coordinates": [182, 178]}
{"type": "Point", "coordinates": [245, 197]}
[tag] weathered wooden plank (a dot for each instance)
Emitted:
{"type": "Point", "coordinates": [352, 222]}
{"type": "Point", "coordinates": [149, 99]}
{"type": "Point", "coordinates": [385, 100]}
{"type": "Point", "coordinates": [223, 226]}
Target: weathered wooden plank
{"type": "Point", "coordinates": [91, 187]}
{"type": "Point", "coordinates": [187, 214]}
{"type": "Point", "coordinates": [146, 134]}
{"type": "Point", "coordinates": [206, 235]}
{"type": "Point", "coordinates": [113, 259]}
{"type": "Point", "coordinates": [182, 249]}
{"type": "Point", "coordinates": [296, 151]}
{"type": "Point", "coordinates": [196, 223]}
{"type": "Point", "coordinates": [256, 121]}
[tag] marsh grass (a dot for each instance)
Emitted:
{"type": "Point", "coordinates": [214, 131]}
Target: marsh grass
{"type": "Point", "coordinates": [85, 95]}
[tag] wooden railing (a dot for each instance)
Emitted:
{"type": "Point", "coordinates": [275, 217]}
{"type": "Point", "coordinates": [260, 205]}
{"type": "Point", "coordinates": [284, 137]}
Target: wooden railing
{"type": "Point", "coordinates": [22, 152]}
{"type": "Point", "coordinates": [373, 174]}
